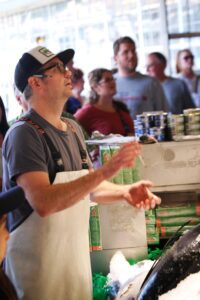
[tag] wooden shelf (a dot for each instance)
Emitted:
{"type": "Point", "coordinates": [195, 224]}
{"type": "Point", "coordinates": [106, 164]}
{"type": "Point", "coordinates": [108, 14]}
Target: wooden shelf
{"type": "Point", "coordinates": [177, 188]}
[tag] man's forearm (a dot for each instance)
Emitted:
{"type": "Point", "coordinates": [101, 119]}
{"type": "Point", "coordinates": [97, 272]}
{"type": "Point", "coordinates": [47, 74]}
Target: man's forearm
{"type": "Point", "coordinates": [107, 192]}
{"type": "Point", "coordinates": [50, 198]}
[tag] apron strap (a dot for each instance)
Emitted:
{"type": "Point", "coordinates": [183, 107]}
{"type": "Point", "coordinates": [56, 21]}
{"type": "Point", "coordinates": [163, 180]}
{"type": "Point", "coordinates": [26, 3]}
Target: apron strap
{"type": "Point", "coordinates": [59, 166]}
{"type": "Point", "coordinates": [82, 151]}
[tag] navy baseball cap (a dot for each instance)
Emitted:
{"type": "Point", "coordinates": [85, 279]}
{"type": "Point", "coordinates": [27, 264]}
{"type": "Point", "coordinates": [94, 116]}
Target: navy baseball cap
{"type": "Point", "coordinates": [32, 61]}
{"type": "Point", "coordinates": [11, 200]}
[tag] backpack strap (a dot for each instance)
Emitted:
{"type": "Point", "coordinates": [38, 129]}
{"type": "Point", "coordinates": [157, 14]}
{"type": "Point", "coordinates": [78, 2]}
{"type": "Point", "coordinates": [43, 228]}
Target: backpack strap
{"type": "Point", "coordinates": [119, 107]}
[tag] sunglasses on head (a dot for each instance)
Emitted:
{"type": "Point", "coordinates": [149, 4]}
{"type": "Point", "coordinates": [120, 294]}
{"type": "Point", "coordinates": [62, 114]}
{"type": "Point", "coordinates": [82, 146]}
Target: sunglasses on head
{"type": "Point", "coordinates": [187, 57]}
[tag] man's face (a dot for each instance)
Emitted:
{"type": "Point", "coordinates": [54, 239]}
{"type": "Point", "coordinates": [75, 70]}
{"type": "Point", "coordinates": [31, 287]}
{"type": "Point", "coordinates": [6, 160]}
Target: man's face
{"type": "Point", "coordinates": [126, 58]}
{"type": "Point", "coordinates": [154, 67]}
{"type": "Point", "coordinates": [58, 78]}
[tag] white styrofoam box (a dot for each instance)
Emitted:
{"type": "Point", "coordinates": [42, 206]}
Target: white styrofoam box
{"type": "Point", "coordinates": [122, 226]}
{"type": "Point", "coordinates": [171, 163]}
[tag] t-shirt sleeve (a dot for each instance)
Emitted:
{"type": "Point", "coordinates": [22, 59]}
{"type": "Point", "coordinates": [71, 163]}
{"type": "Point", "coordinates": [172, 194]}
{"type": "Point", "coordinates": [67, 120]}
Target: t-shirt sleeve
{"type": "Point", "coordinates": [24, 151]}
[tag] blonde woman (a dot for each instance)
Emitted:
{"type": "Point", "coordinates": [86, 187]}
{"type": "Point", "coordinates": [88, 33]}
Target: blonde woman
{"type": "Point", "coordinates": [184, 67]}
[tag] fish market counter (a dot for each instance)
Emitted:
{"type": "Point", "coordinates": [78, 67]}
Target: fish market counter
{"type": "Point", "coordinates": [174, 168]}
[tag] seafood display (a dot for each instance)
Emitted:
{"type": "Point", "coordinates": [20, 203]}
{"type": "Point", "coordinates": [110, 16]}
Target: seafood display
{"type": "Point", "coordinates": [180, 261]}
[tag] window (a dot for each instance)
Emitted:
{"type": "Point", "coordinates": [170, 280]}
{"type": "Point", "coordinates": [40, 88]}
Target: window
{"type": "Point", "coordinates": [90, 27]}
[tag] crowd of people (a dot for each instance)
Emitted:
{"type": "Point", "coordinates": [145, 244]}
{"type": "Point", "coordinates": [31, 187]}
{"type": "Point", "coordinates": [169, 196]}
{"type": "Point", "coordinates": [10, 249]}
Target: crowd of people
{"type": "Point", "coordinates": [44, 153]}
{"type": "Point", "coordinates": [117, 96]}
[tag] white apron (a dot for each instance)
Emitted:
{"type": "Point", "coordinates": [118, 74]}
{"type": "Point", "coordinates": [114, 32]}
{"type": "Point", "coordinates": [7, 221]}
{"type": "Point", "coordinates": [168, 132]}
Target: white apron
{"type": "Point", "coordinates": [48, 258]}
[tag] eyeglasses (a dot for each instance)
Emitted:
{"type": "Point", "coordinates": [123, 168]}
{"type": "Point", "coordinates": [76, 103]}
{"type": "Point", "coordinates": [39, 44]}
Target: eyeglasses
{"type": "Point", "coordinates": [188, 57]}
{"type": "Point", "coordinates": [60, 66]}
{"type": "Point", "coordinates": [151, 65]}
{"type": "Point", "coordinates": [107, 80]}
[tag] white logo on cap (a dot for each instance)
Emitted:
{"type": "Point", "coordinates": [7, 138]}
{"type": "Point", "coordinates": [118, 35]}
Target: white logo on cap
{"type": "Point", "coordinates": [46, 52]}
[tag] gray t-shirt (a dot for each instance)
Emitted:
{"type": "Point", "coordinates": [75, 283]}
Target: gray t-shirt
{"type": "Point", "coordinates": [140, 93]}
{"type": "Point", "coordinates": [25, 150]}
{"type": "Point", "coordinates": [178, 95]}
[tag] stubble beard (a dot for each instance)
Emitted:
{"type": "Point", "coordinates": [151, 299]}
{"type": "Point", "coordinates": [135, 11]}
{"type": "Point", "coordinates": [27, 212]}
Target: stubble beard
{"type": "Point", "coordinates": [130, 70]}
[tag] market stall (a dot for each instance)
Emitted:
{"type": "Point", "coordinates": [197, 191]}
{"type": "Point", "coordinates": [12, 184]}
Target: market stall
{"type": "Point", "coordinates": [174, 168]}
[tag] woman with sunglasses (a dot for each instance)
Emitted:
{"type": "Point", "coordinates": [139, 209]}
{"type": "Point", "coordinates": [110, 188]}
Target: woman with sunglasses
{"type": "Point", "coordinates": [184, 67]}
{"type": "Point", "coordinates": [102, 113]}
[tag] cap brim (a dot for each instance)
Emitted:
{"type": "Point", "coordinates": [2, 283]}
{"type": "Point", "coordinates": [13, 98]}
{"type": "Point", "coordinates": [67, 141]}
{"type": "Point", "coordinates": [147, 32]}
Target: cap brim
{"type": "Point", "coordinates": [66, 56]}
{"type": "Point", "coordinates": [11, 200]}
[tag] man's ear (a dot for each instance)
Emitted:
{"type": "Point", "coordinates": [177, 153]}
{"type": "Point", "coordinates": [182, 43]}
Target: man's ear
{"type": "Point", "coordinates": [34, 81]}
{"type": "Point", "coordinates": [115, 59]}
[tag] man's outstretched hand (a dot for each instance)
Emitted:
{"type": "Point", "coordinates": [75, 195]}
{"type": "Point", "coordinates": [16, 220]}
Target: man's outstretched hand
{"type": "Point", "coordinates": [139, 195]}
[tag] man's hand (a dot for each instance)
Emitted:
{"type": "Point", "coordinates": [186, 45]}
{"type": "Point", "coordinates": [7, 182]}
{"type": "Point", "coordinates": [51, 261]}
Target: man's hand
{"type": "Point", "coordinates": [124, 158]}
{"type": "Point", "coordinates": [140, 196]}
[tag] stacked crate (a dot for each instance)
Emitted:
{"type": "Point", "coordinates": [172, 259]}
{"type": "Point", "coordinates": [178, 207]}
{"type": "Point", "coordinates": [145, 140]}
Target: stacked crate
{"type": "Point", "coordinates": [153, 237]}
{"type": "Point", "coordinates": [164, 222]}
{"type": "Point", "coordinates": [169, 220]}
{"type": "Point", "coordinates": [94, 229]}
{"type": "Point", "coordinates": [125, 175]}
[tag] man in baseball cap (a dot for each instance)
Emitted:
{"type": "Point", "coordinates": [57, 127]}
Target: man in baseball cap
{"type": "Point", "coordinates": [48, 254]}
{"type": "Point", "coordinates": [31, 63]}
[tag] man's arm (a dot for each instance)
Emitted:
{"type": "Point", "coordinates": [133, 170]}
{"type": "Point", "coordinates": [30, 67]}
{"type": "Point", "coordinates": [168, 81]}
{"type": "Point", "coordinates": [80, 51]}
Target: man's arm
{"type": "Point", "coordinates": [137, 194]}
{"type": "Point", "coordinates": [47, 199]}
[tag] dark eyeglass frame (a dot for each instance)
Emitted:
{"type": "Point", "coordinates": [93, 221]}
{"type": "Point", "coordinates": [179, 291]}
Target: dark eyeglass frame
{"type": "Point", "coordinates": [107, 80]}
{"type": "Point", "coordinates": [62, 68]}
{"type": "Point", "coordinates": [187, 57]}
{"type": "Point", "coordinates": [153, 64]}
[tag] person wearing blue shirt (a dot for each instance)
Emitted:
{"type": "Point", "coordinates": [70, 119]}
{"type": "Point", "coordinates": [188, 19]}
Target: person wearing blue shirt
{"type": "Point", "coordinates": [176, 91]}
